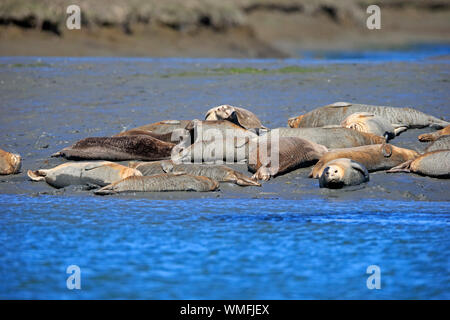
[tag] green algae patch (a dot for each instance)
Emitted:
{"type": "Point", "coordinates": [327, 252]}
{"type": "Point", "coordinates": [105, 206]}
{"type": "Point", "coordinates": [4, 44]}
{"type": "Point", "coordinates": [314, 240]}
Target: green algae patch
{"type": "Point", "coordinates": [244, 70]}
{"type": "Point", "coordinates": [25, 65]}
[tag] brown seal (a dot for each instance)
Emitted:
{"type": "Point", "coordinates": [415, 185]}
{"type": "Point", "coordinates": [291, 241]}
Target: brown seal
{"type": "Point", "coordinates": [434, 164]}
{"type": "Point", "coordinates": [10, 163]}
{"type": "Point", "coordinates": [272, 155]}
{"type": "Point", "coordinates": [161, 182]}
{"type": "Point", "coordinates": [374, 157]}
{"type": "Point", "coordinates": [118, 149]}
{"type": "Point", "coordinates": [343, 172]}
{"type": "Point", "coordinates": [100, 173]}
{"type": "Point", "coordinates": [435, 135]}
{"type": "Point", "coordinates": [239, 116]}
{"type": "Point", "coordinates": [166, 137]}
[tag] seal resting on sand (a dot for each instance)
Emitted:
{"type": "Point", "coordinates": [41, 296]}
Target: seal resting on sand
{"type": "Point", "coordinates": [270, 157]}
{"type": "Point", "coordinates": [371, 123]}
{"type": "Point", "coordinates": [10, 163]}
{"type": "Point", "coordinates": [442, 143]}
{"type": "Point", "coordinates": [220, 173]}
{"type": "Point", "coordinates": [335, 113]}
{"type": "Point", "coordinates": [163, 127]}
{"type": "Point", "coordinates": [435, 135]}
{"type": "Point", "coordinates": [343, 172]}
{"type": "Point", "coordinates": [434, 164]}
{"type": "Point", "coordinates": [100, 173]}
{"type": "Point", "coordinates": [332, 138]}
{"type": "Point", "coordinates": [374, 157]}
{"type": "Point", "coordinates": [172, 137]}
{"type": "Point", "coordinates": [118, 149]}
{"type": "Point", "coordinates": [161, 182]}
{"type": "Point", "coordinates": [239, 116]}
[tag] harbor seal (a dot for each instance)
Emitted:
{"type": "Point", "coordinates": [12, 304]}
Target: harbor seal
{"type": "Point", "coordinates": [161, 182]}
{"type": "Point", "coordinates": [219, 173]}
{"type": "Point", "coordinates": [172, 137]}
{"type": "Point", "coordinates": [343, 172]}
{"type": "Point", "coordinates": [335, 113]}
{"type": "Point", "coordinates": [118, 149]}
{"type": "Point", "coordinates": [434, 164]}
{"type": "Point", "coordinates": [217, 129]}
{"type": "Point", "coordinates": [374, 157]}
{"type": "Point", "coordinates": [10, 163]}
{"type": "Point", "coordinates": [435, 135]}
{"type": "Point", "coordinates": [163, 127]}
{"type": "Point", "coordinates": [100, 173]}
{"type": "Point", "coordinates": [239, 116]}
{"type": "Point", "coordinates": [269, 157]}
{"type": "Point", "coordinates": [371, 123]}
{"type": "Point", "coordinates": [332, 138]}
{"type": "Point", "coordinates": [442, 143]}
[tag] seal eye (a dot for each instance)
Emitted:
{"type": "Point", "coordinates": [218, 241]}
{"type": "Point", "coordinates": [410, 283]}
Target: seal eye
{"type": "Point", "coordinates": [335, 171]}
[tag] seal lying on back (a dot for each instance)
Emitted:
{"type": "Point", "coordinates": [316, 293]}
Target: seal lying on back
{"type": "Point", "coordinates": [442, 143]}
{"type": "Point", "coordinates": [10, 163]}
{"type": "Point", "coordinates": [335, 113]}
{"type": "Point", "coordinates": [239, 116]}
{"type": "Point", "coordinates": [435, 135]}
{"type": "Point", "coordinates": [118, 149]}
{"type": "Point", "coordinates": [332, 138]}
{"type": "Point", "coordinates": [99, 173]}
{"type": "Point", "coordinates": [161, 182]}
{"type": "Point", "coordinates": [343, 172]}
{"type": "Point", "coordinates": [374, 157]}
{"type": "Point", "coordinates": [217, 172]}
{"type": "Point", "coordinates": [270, 157]}
{"type": "Point", "coordinates": [434, 164]}
{"type": "Point", "coordinates": [370, 123]}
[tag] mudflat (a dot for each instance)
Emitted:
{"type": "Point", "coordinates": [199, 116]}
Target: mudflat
{"type": "Point", "coordinates": [50, 103]}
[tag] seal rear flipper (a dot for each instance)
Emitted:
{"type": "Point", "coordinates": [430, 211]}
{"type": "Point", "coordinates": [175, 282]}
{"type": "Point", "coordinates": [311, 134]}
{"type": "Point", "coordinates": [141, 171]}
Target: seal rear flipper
{"type": "Point", "coordinates": [105, 191]}
{"type": "Point", "coordinates": [399, 128]}
{"type": "Point", "coordinates": [57, 154]}
{"type": "Point", "coordinates": [427, 137]}
{"type": "Point", "coordinates": [404, 167]}
{"type": "Point", "coordinates": [36, 175]}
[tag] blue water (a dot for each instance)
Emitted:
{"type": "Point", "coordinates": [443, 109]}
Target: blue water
{"type": "Point", "coordinates": [222, 249]}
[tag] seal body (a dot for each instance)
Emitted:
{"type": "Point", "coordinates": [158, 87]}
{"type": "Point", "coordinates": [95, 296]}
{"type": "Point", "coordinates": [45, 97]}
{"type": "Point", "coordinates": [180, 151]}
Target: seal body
{"type": "Point", "coordinates": [332, 138]}
{"type": "Point", "coordinates": [219, 173]}
{"type": "Point", "coordinates": [434, 164]}
{"type": "Point", "coordinates": [165, 126]}
{"type": "Point", "coordinates": [435, 135]}
{"type": "Point", "coordinates": [10, 163]}
{"type": "Point", "coordinates": [373, 157]}
{"type": "Point", "coordinates": [118, 148]}
{"type": "Point", "coordinates": [172, 137]}
{"type": "Point", "coordinates": [343, 172]}
{"type": "Point", "coordinates": [159, 183]}
{"type": "Point", "coordinates": [239, 116]}
{"type": "Point", "coordinates": [371, 123]}
{"type": "Point", "coordinates": [270, 157]}
{"type": "Point", "coordinates": [99, 173]}
{"type": "Point", "coordinates": [217, 129]}
{"type": "Point", "coordinates": [442, 143]}
{"type": "Point", "coordinates": [335, 113]}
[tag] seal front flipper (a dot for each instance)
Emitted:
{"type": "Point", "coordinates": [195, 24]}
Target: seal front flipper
{"type": "Point", "coordinates": [37, 175]}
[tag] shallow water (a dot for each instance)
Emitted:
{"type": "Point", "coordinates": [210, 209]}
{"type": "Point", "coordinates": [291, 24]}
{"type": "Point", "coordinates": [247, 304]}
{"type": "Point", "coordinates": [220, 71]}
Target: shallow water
{"type": "Point", "coordinates": [224, 249]}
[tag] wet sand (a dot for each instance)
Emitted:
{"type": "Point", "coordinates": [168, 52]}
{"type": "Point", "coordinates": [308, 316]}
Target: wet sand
{"type": "Point", "coordinates": [50, 103]}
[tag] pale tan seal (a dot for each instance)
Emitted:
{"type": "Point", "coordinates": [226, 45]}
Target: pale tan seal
{"type": "Point", "coordinates": [161, 183]}
{"type": "Point", "coordinates": [434, 164]}
{"type": "Point", "coordinates": [373, 157]}
{"type": "Point", "coordinates": [270, 157]}
{"type": "Point", "coordinates": [165, 126]}
{"type": "Point", "coordinates": [343, 172]}
{"type": "Point", "coordinates": [100, 173]}
{"type": "Point", "coordinates": [371, 123]}
{"type": "Point", "coordinates": [239, 116]}
{"type": "Point", "coordinates": [10, 163]}
{"type": "Point", "coordinates": [435, 135]}
{"type": "Point", "coordinates": [220, 173]}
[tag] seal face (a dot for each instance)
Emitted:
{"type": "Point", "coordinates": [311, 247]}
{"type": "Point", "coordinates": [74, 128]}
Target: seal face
{"type": "Point", "coordinates": [161, 182]}
{"type": "Point", "coordinates": [239, 116]}
{"type": "Point", "coordinates": [100, 173]}
{"type": "Point", "coordinates": [10, 163]}
{"type": "Point", "coordinates": [343, 172]}
{"type": "Point", "coordinates": [118, 148]}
